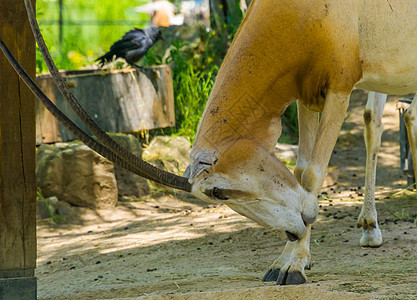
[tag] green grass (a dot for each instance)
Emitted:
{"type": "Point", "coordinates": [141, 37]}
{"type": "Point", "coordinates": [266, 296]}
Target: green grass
{"type": "Point", "coordinates": [194, 66]}
{"type": "Point", "coordinates": [191, 89]}
{"type": "Point", "coordinates": [56, 218]}
{"type": "Point", "coordinates": [84, 39]}
{"type": "Point", "coordinates": [194, 63]}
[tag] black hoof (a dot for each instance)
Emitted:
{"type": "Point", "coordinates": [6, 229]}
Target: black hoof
{"type": "Point", "coordinates": [370, 246]}
{"type": "Point", "coordinates": [295, 278]}
{"type": "Point", "coordinates": [271, 275]}
{"type": "Point", "coordinates": [285, 278]}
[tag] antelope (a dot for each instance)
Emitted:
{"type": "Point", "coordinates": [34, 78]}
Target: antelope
{"type": "Point", "coordinates": [313, 52]}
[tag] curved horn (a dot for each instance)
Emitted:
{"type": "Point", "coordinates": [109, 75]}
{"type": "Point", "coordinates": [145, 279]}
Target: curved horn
{"type": "Point", "coordinates": [156, 174]}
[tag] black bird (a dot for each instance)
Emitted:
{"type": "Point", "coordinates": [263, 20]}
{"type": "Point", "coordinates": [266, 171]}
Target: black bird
{"type": "Point", "coordinates": [133, 45]}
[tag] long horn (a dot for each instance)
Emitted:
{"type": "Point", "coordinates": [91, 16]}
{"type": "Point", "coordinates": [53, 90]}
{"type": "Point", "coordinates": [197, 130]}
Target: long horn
{"type": "Point", "coordinates": [156, 175]}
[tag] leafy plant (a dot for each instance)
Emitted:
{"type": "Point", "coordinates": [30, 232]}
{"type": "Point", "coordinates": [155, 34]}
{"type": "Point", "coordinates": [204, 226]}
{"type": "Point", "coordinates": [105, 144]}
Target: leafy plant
{"type": "Point", "coordinates": [192, 95]}
{"type": "Point", "coordinates": [194, 72]}
{"type": "Point", "coordinates": [87, 34]}
{"type": "Point", "coordinates": [290, 117]}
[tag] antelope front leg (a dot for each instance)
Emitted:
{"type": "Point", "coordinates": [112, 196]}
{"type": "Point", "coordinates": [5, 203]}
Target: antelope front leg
{"type": "Point", "coordinates": [308, 122]}
{"type": "Point", "coordinates": [368, 220]}
{"type": "Point", "coordinates": [317, 140]}
{"type": "Point", "coordinates": [331, 121]}
{"type": "Point", "coordinates": [289, 267]}
{"type": "Point", "coordinates": [316, 146]}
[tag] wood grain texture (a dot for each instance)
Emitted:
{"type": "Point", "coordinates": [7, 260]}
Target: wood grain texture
{"type": "Point", "coordinates": [47, 130]}
{"type": "Point", "coordinates": [17, 145]}
{"type": "Point", "coordinates": [119, 101]}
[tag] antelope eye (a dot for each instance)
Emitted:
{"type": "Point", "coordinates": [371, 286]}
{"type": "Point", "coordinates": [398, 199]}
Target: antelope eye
{"type": "Point", "coordinates": [218, 194]}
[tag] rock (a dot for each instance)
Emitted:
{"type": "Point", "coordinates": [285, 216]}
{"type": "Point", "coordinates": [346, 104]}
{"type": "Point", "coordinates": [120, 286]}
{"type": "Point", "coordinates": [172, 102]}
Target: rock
{"type": "Point", "coordinates": [129, 184]}
{"type": "Point", "coordinates": [51, 207]}
{"type": "Point", "coordinates": [171, 153]}
{"type": "Point", "coordinates": [76, 174]}
{"type": "Point", "coordinates": [60, 207]}
{"type": "Point", "coordinates": [52, 202]}
{"type": "Point", "coordinates": [42, 211]}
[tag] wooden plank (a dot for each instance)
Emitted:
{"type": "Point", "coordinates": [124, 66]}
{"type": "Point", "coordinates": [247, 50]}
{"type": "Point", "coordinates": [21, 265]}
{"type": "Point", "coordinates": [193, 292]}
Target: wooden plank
{"type": "Point", "coordinates": [17, 147]}
{"type": "Point", "coordinates": [46, 125]}
{"type": "Point", "coordinates": [23, 288]}
{"type": "Point", "coordinates": [120, 101]}
{"type": "Point", "coordinates": [162, 113]}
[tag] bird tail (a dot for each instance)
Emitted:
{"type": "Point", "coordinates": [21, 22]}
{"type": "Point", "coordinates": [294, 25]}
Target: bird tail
{"type": "Point", "coordinates": [104, 58]}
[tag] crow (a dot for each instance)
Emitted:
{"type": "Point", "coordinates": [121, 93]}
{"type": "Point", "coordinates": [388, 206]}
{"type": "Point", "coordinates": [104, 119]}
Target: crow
{"type": "Point", "coordinates": [133, 45]}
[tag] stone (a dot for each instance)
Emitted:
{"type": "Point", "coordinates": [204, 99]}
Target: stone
{"type": "Point", "coordinates": [76, 174]}
{"type": "Point", "coordinates": [52, 202]}
{"type": "Point", "coordinates": [59, 207]}
{"type": "Point", "coordinates": [63, 208]}
{"type": "Point", "coordinates": [53, 208]}
{"type": "Point", "coordinates": [171, 153]}
{"type": "Point", "coordinates": [42, 211]}
{"type": "Point", "coordinates": [129, 184]}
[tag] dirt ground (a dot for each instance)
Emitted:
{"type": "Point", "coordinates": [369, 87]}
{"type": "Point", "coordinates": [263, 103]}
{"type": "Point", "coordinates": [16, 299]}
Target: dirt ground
{"type": "Point", "coordinates": [164, 248]}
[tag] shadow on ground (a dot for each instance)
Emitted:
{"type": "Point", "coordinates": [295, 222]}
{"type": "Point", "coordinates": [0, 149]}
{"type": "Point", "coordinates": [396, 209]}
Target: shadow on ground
{"type": "Point", "coordinates": [164, 246]}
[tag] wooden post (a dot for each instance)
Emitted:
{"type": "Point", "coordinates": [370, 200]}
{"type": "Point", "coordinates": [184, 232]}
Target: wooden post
{"type": "Point", "coordinates": [17, 159]}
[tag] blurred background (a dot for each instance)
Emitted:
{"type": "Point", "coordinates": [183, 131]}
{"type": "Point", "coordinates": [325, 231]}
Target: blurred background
{"type": "Point", "coordinates": [196, 36]}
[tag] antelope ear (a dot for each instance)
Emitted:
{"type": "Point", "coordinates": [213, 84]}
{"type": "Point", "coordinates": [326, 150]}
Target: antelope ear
{"type": "Point", "coordinates": [201, 162]}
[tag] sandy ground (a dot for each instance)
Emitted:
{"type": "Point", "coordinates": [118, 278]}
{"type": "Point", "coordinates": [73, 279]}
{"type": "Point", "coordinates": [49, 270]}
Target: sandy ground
{"type": "Point", "coordinates": [164, 248]}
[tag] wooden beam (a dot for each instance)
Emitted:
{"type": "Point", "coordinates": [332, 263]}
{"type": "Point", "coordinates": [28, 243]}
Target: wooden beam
{"type": "Point", "coordinates": [17, 159]}
{"type": "Point", "coordinates": [119, 101]}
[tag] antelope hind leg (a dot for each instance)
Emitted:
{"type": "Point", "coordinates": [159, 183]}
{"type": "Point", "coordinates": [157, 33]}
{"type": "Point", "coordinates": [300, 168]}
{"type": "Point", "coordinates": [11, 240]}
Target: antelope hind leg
{"type": "Point", "coordinates": [411, 125]}
{"type": "Point", "coordinates": [368, 220]}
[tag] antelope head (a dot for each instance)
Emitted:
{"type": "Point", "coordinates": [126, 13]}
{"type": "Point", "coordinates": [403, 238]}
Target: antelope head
{"type": "Point", "coordinates": [254, 183]}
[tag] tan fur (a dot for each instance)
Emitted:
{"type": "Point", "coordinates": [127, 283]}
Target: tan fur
{"type": "Point", "coordinates": [313, 51]}
{"type": "Point", "coordinates": [285, 54]}
{"type": "Point", "coordinates": [287, 50]}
